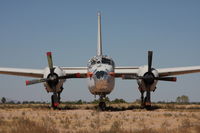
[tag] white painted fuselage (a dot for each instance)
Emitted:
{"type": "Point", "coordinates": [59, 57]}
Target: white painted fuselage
{"type": "Point", "coordinates": [101, 80]}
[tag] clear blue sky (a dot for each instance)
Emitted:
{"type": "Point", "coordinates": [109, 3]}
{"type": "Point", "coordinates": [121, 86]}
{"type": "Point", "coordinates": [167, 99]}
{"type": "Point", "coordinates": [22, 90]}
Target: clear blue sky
{"type": "Point", "coordinates": [28, 29]}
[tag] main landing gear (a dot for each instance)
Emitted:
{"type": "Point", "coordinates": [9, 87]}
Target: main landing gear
{"type": "Point", "coordinates": [55, 100]}
{"type": "Point", "coordinates": [146, 102]}
{"type": "Point", "coordinates": [102, 103]}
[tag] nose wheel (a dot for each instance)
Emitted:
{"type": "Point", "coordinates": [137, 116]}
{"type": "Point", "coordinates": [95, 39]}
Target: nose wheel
{"type": "Point", "coordinates": [102, 103]}
{"type": "Point", "coordinates": [102, 106]}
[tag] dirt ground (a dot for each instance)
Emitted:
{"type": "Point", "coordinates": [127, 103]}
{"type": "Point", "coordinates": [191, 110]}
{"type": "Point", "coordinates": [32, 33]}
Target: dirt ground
{"type": "Point", "coordinates": [125, 118]}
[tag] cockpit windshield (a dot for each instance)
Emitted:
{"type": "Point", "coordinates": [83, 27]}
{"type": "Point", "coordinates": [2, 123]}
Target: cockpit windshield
{"type": "Point", "coordinates": [106, 61]}
{"type": "Point", "coordinates": [99, 60]}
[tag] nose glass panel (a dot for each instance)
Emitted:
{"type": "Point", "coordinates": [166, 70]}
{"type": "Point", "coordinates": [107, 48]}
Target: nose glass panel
{"type": "Point", "coordinates": [101, 74]}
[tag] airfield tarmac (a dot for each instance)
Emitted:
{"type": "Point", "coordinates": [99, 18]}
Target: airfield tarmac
{"type": "Point", "coordinates": [118, 118]}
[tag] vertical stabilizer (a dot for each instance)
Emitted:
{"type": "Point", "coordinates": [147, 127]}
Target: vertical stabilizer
{"type": "Point", "coordinates": [99, 37]}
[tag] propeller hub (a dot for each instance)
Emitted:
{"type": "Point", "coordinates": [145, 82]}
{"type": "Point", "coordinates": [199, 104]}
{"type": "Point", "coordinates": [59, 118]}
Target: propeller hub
{"type": "Point", "coordinates": [148, 78]}
{"type": "Point", "coordinates": [52, 79]}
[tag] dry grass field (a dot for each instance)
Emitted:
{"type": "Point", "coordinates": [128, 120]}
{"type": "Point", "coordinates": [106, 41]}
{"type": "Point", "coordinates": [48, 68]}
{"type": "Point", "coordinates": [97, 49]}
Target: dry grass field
{"type": "Point", "coordinates": [119, 118]}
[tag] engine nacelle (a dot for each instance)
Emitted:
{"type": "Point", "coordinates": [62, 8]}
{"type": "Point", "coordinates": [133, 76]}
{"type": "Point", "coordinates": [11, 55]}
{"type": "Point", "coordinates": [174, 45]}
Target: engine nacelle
{"type": "Point", "coordinates": [142, 83]}
{"type": "Point", "coordinates": [57, 72]}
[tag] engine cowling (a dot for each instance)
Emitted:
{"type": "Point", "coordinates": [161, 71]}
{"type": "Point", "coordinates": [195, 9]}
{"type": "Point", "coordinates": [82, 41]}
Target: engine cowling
{"type": "Point", "coordinates": [54, 83]}
{"type": "Point", "coordinates": [148, 81]}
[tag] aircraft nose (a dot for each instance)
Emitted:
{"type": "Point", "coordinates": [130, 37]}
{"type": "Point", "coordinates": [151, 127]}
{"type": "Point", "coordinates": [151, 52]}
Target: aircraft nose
{"type": "Point", "coordinates": [101, 74]}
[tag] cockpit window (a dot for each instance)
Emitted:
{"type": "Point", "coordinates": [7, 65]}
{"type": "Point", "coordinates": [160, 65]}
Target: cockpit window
{"type": "Point", "coordinates": [99, 60]}
{"type": "Point", "coordinates": [93, 62]}
{"type": "Point", "coordinates": [106, 61]}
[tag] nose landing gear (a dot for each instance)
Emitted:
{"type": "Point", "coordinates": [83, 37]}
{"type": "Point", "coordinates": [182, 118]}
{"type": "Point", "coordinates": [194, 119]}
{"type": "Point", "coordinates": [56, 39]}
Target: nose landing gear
{"type": "Point", "coordinates": [102, 103]}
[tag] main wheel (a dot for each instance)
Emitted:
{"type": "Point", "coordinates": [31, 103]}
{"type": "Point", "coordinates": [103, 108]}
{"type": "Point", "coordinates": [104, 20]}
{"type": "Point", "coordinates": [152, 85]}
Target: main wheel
{"type": "Point", "coordinates": [147, 103]}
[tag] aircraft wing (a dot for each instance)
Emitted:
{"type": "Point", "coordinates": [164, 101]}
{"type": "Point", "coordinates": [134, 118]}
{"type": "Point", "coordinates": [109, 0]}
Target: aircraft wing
{"type": "Point", "coordinates": [178, 71]}
{"type": "Point", "coordinates": [36, 73]}
{"type": "Point", "coordinates": [163, 72]}
{"type": "Point", "coordinates": [120, 71]}
{"type": "Point", "coordinates": [74, 70]}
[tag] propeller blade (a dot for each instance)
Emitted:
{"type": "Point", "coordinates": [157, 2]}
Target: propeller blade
{"type": "Point", "coordinates": [35, 81]}
{"type": "Point", "coordinates": [150, 54]}
{"type": "Point", "coordinates": [50, 62]}
{"type": "Point", "coordinates": [172, 79]}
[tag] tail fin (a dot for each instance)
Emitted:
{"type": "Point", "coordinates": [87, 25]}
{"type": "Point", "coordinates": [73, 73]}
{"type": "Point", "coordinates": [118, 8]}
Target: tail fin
{"type": "Point", "coordinates": [99, 38]}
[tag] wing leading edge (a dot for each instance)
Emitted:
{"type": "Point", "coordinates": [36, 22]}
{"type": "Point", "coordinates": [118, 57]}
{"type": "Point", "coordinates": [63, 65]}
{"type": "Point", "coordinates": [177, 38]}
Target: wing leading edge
{"type": "Point", "coordinates": [74, 70]}
{"type": "Point", "coordinates": [119, 71]}
{"type": "Point", "coordinates": [36, 73]}
{"type": "Point", "coordinates": [178, 71]}
{"type": "Point", "coordinates": [122, 71]}
{"type": "Point", "coordinates": [163, 72]}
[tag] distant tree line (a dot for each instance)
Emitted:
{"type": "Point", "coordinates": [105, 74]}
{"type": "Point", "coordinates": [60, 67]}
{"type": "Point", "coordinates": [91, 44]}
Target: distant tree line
{"type": "Point", "coordinates": [180, 100]}
{"type": "Point", "coordinates": [96, 101]}
{"type": "Point", "coordinates": [3, 100]}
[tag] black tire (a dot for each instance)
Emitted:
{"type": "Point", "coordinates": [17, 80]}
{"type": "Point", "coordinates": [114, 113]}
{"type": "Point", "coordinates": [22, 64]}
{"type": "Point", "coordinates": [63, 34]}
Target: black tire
{"type": "Point", "coordinates": [102, 106]}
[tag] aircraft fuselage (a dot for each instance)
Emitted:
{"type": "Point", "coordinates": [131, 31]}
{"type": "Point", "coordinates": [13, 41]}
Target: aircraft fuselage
{"type": "Point", "coordinates": [101, 81]}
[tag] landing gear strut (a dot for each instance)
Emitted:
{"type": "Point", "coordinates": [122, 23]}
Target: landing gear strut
{"type": "Point", "coordinates": [142, 99]}
{"type": "Point", "coordinates": [146, 102]}
{"type": "Point", "coordinates": [102, 104]}
{"type": "Point", "coordinates": [55, 100]}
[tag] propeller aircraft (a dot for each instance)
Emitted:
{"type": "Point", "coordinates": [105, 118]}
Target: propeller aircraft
{"type": "Point", "coordinates": [100, 73]}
